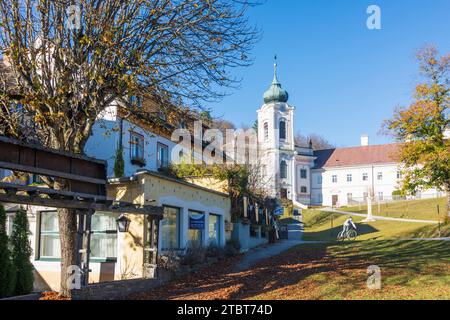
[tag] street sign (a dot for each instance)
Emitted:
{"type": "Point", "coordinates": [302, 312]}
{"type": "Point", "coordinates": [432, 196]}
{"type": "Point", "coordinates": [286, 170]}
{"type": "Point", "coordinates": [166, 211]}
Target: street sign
{"type": "Point", "coordinates": [197, 222]}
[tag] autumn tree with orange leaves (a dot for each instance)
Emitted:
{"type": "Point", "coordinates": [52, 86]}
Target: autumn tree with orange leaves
{"type": "Point", "coordinates": [423, 127]}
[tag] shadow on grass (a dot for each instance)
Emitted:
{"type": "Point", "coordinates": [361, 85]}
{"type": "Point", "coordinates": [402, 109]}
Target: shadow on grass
{"type": "Point", "coordinates": [332, 233]}
{"type": "Point", "coordinates": [332, 270]}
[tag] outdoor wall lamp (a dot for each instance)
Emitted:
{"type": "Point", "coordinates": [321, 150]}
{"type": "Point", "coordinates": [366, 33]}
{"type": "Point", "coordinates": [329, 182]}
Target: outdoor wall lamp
{"type": "Point", "coordinates": [123, 223]}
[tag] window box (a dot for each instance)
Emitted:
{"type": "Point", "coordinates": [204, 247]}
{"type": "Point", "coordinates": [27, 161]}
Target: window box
{"type": "Point", "coordinates": [138, 162]}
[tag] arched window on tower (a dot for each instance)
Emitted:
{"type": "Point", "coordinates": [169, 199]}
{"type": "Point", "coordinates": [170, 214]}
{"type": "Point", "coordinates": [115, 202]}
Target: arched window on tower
{"type": "Point", "coordinates": [282, 130]}
{"type": "Point", "coordinates": [283, 170]}
{"type": "Point", "coordinates": [266, 131]}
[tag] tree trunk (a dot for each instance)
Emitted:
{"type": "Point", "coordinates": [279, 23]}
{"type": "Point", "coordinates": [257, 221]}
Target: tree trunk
{"type": "Point", "coordinates": [68, 237]}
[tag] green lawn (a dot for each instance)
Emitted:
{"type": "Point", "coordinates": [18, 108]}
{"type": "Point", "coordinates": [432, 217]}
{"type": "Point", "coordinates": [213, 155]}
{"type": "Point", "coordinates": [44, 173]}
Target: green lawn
{"type": "Point", "coordinates": [414, 209]}
{"type": "Point", "coordinates": [324, 226]}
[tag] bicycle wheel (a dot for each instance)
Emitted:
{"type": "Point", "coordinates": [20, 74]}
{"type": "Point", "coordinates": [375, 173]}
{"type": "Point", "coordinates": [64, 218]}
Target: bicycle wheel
{"type": "Point", "coordinates": [351, 235]}
{"type": "Point", "coordinates": [340, 236]}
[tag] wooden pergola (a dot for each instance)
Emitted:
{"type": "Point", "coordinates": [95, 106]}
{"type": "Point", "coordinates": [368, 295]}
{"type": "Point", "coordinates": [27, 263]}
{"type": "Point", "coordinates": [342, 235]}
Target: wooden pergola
{"type": "Point", "coordinates": [86, 192]}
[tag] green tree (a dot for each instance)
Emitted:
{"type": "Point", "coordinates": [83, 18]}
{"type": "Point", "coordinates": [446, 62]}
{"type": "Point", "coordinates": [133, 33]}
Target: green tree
{"type": "Point", "coordinates": [21, 254]}
{"type": "Point", "coordinates": [119, 163]}
{"type": "Point", "coordinates": [7, 278]}
{"type": "Point", "coordinates": [422, 127]}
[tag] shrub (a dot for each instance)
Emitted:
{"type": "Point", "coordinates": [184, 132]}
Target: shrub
{"type": "Point", "coordinates": [119, 163]}
{"type": "Point", "coordinates": [21, 253]}
{"type": "Point", "coordinates": [7, 277]}
{"type": "Point", "coordinates": [170, 261]}
{"type": "Point", "coordinates": [214, 251]}
{"type": "Point", "coordinates": [232, 248]}
{"type": "Point", "coordinates": [195, 255]}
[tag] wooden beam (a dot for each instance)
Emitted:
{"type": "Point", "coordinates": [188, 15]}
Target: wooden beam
{"type": "Point", "coordinates": [41, 190]}
{"type": "Point", "coordinates": [81, 205]}
{"type": "Point", "coordinates": [51, 173]}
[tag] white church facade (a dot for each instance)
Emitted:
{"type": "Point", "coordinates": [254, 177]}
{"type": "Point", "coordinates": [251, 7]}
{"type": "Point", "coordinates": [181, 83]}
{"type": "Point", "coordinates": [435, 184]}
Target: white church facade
{"type": "Point", "coordinates": [333, 177]}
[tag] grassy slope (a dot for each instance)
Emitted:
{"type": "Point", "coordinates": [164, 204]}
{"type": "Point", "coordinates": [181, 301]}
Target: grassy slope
{"type": "Point", "coordinates": [417, 209]}
{"type": "Point", "coordinates": [409, 270]}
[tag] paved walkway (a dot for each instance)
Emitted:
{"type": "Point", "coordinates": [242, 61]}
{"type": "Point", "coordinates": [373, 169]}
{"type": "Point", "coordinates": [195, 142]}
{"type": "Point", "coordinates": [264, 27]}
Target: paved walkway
{"type": "Point", "coordinates": [266, 251]}
{"type": "Point", "coordinates": [380, 217]}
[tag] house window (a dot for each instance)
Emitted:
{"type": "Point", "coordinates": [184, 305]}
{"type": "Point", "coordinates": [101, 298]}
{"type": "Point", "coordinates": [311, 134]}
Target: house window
{"type": "Point", "coordinates": [303, 174]}
{"type": "Point", "coordinates": [49, 243]}
{"type": "Point", "coordinates": [349, 178]}
{"type": "Point", "coordinates": [266, 131]}
{"type": "Point", "coordinates": [380, 195]}
{"type": "Point", "coordinates": [136, 101]}
{"type": "Point", "coordinates": [195, 235]}
{"type": "Point", "coordinates": [282, 130]}
{"type": "Point", "coordinates": [104, 236]}
{"type": "Point", "coordinates": [334, 178]}
{"type": "Point", "coordinates": [214, 229]}
{"type": "Point", "coordinates": [365, 176]}
{"type": "Point", "coordinates": [163, 156]}
{"type": "Point", "coordinates": [303, 189]}
{"type": "Point", "coordinates": [365, 196]}
{"type": "Point", "coordinates": [319, 179]}
{"type": "Point", "coordinates": [349, 197]}
{"type": "Point", "coordinates": [399, 175]}
{"type": "Point", "coordinates": [170, 229]}
{"type": "Point", "coordinates": [136, 146]}
{"type": "Point", "coordinates": [283, 170]}
{"type": "Point", "coordinates": [9, 224]}
{"type": "Point", "coordinates": [283, 193]}
{"type": "Point", "coordinates": [380, 176]}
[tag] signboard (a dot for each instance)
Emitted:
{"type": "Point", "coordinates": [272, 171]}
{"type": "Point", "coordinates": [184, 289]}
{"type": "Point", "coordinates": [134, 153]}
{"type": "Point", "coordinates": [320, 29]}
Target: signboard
{"type": "Point", "coordinates": [197, 222]}
{"type": "Point", "coordinates": [278, 211]}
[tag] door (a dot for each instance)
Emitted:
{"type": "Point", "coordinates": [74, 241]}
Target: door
{"type": "Point", "coordinates": [335, 200]}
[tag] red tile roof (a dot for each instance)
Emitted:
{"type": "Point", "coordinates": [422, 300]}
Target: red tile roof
{"type": "Point", "coordinates": [339, 157]}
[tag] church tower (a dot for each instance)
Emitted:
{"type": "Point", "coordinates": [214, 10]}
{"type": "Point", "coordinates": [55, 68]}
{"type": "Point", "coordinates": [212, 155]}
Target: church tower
{"type": "Point", "coordinates": [276, 141]}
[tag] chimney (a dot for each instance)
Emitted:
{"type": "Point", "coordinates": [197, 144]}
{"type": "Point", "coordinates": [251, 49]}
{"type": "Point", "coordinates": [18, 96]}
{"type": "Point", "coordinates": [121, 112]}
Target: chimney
{"type": "Point", "coordinates": [364, 140]}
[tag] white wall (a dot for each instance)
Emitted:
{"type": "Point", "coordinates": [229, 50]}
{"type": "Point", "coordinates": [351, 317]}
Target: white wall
{"type": "Point", "coordinates": [357, 186]}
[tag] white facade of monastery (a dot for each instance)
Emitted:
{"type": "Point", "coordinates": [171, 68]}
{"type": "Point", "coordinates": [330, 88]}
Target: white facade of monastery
{"type": "Point", "coordinates": [335, 177]}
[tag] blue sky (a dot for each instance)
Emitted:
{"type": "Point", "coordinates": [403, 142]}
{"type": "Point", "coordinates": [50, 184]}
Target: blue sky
{"type": "Point", "coordinates": [343, 79]}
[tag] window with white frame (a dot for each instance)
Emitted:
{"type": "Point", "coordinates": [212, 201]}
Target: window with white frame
{"type": "Point", "coordinates": [303, 189]}
{"type": "Point", "coordinates": [283, 170]}
{"type": "Point", "coordinates": [365, 176]}
{"type": "Point", "coordinates": [349, 197]}
{"type": "Point", "coordinates": [49, 243]}
{"type": "Point", "coordinates": [334, 178]}
{"type": "Point", "coordinates": [195, 235]}
{"type": "Point", "coordinates": [380, 176]}
{"type": "Point", "coordinates": [303, 174]}
{"type": "Point", "coordinates": [214, 229]}
{"type": "Point", "coordinates": [103, 236]}
{"type": "Point", "coordinates": [349, 177]}
{"type": "Point", "coordinates": [282, 130]}
{"type": "Point", "coordinates": [380, 195]}
{"type": "Point", "coordinates": [9, 224]}
{"type": "Point", "coordinates": [170, 229]}
{"type": "Point", "coordinates": [319, 179]}
{"type": "Point", "coordinates": [163, 156]}
{"type": "Point", "coordinates": [399, 175]}
{"type": "Point", "coordinates": [136, 146]}
{"type": "Point", "coordinates": [365, 196]}
{"type": "Point", "coordinates": [266, 131]}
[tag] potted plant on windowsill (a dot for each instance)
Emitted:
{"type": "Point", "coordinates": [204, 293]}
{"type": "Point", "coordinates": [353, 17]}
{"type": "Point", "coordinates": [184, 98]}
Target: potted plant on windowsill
{"type": "Point", "coordinates": [138, 161]}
